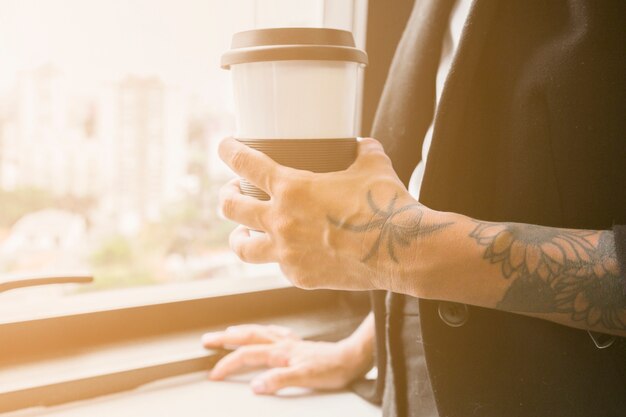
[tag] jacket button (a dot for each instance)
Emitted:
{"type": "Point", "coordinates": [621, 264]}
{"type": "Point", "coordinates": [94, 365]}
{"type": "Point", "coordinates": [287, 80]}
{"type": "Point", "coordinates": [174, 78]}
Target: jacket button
{"type": "Point", "coordinates": [453, 314]}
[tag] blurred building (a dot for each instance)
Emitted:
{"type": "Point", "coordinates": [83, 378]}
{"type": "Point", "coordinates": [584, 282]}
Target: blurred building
{"type": "Point", "coordinates": [126, 148]}
{"type": "Point", "coordinates": [142, 126]}
{"type": "Point", "coordinates": [2, 133]}
{"type": "Point", "coordinates": [40, 146]}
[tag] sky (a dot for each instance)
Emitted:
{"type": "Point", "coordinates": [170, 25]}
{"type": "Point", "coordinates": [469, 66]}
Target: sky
{"type": "Point", "coordinates": [96, 41]}
{"type": "Point", "coordinates": [181, 41]}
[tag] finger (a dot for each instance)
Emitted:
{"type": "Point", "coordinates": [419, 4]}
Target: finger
{"type": "Point", "coordinates": [244, 334]}
{"type": "Point", "coordinates": [370, 151]}
{"type": "Point", "coordinates": [254, 356]}
{"type": "Point", "coordinates": [241, 208]}
{"type": "Point", "coordinates": [256, 249]}
{"type": "Point", "coordinates": [251, 164]}
{"type": "Point", "coordinates": [369, 145]}
{"type": "Point", "coordinates": [276, 379]}
{"type": "Point", "coordinates": [282, 332]}
{"type": "Point", "coordinates": [270, 332]}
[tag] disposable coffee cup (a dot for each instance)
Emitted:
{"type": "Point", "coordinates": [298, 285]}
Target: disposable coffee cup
{"type": "Point", "coordinates": [296, 96]}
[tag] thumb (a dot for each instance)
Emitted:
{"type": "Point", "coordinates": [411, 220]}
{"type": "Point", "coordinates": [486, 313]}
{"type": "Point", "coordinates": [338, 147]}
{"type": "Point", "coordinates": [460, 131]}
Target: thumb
{"type": "Point", "coordinates": [277, 378]}
{"type": "Point", "coordinates": [370, 153]}
{"type": "Point", "coordinates": [369, 145]}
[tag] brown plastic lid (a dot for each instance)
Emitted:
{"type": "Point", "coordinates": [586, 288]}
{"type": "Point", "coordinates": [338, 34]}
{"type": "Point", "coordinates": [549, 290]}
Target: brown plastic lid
{"type": "Point", "coordinates": [283, 44]}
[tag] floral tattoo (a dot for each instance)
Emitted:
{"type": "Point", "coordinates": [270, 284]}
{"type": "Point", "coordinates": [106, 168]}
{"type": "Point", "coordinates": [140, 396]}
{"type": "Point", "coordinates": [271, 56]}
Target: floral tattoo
{"type": "Point", "coordinates": [557, 271]}
{"type": "Point", "coordinates": [396, 226]}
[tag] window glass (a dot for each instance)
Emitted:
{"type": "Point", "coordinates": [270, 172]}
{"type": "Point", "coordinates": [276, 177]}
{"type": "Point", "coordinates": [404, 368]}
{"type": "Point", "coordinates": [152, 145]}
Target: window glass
{"type": "Point", "coordinates": [110, 114]}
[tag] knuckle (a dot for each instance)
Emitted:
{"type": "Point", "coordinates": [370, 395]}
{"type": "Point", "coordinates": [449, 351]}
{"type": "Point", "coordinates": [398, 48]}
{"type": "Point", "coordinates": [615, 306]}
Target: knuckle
{"type": "Point", "coordinates": [227, 205]}
{"type": "Point", "coordinates": [283, 190]}
{"type": "Point", "coordinates": [292, 188]}
{"type": "Point", "coordinates": [373, 152]}
{"type": "Point", "coordinates": [253, 334]}
{"type": "Point", "coordinates": [245, 353]}
{"type": "Point", "coordinates": [370, 143]}
{"type": "Point", "coordinates": [240, 249]}
{"type": "Point", "coordinates": [376, 156]}
{"type": "Point", "coordinates": [373, 144]}
{"type": "Point", "coordinates": [239, 159]}
{"type": "Point", "coordinates": [260, 218]}
{"type": "Point", "coordinates": [278, 358]}
{"type": "Point", "coordinates": [286, 226]}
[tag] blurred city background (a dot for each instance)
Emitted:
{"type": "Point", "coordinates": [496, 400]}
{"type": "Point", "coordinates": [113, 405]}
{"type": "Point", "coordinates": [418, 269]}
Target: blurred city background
{"type": "Point", "coordinates": [110, 114]}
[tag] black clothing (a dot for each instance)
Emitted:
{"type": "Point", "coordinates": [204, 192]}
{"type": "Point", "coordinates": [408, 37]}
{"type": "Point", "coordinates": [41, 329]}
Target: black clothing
{"type": "Point", "coordinates": [530, 128]}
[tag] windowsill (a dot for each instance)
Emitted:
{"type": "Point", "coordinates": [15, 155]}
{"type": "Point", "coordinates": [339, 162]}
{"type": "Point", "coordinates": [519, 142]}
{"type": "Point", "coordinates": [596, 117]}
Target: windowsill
{"type": "Point", "coordinates": [81, 303]}
{"type": "Point", "coordinates": [123, 366]}
{"type": "Point", "coordinates": [193, 395]}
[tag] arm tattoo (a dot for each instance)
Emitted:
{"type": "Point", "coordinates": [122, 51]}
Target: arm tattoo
{"type": "Point", "coordinates": [395, 226]}
{"type": "Point", "coordinates": [557, 271]}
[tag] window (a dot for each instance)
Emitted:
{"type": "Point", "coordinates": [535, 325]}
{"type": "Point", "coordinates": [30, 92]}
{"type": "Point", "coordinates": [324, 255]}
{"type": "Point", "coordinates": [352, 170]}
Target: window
{"type": "Point", "coordinates": [110, 114]}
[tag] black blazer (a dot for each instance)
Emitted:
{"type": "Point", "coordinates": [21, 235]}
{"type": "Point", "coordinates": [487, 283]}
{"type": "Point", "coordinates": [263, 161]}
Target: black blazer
{"type": "Point", "coordinates": [530, 128]}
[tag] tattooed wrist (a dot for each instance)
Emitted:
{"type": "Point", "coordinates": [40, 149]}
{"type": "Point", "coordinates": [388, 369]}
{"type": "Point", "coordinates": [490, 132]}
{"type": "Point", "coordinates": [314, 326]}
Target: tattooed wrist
{"type": "Point", "coordinates": [396, 227]}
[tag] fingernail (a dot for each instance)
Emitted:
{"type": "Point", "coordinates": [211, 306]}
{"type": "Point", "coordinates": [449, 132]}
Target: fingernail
{"type": "Point", "coordinates": [258, 386]}
{"type": "Point", "coordinates": [208, 338]}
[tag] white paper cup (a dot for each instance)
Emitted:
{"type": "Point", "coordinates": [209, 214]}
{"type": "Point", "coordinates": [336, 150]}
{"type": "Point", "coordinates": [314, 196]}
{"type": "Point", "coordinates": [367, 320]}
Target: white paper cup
{"type": "Point", "coordinates": [295, 99]}
{"type": "Point", "coordinates": [296, 96]}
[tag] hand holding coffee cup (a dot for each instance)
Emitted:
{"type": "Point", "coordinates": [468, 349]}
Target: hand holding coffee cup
{"type": "Point", "coordinates": [296, 96]}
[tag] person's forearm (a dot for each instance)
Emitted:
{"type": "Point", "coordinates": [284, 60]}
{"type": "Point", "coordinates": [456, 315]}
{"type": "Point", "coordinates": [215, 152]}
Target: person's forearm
{"type": "Point", "coordinates": [563, 275]}
{"type": "Point", "coordinates": [361, 230]}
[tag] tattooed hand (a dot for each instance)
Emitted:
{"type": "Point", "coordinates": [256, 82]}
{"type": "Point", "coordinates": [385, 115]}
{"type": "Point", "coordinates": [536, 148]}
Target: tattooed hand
{"type": "Point", "coordinates": [341, 230]}
{"type": "Point", "coordinates": [359, 229]}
